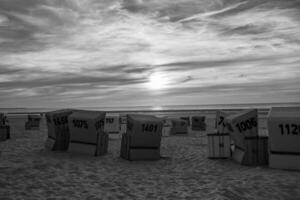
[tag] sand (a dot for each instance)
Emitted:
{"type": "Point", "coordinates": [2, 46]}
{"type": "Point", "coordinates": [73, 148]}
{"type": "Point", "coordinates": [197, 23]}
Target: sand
{"type": "Point", "coordinates": [29, 171]}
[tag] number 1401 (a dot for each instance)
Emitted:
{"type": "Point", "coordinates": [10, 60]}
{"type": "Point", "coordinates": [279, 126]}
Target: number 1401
{"type": "Point", "coordinates": [149, 127]}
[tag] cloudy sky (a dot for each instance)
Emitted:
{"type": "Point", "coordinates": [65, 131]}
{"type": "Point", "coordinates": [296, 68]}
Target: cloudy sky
{"type": "Point", "coordinates": [148, 52]}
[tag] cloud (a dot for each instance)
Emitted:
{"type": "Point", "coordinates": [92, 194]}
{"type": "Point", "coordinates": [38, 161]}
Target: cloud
{"type": "Point", "coordinates": [172, 10]}
{"type": "Point", "coordinates": [71, 50]}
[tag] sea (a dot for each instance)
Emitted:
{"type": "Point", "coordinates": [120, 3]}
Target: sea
{"type": "Point", "coordinates": [163, 108]}
{"type": "Point", "coordinates": [170, 111]}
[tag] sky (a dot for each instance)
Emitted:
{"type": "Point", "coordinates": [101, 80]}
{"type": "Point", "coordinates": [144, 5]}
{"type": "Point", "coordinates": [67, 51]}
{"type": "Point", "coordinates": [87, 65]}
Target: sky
{"type": "Point", "coordinates": [69, 53]}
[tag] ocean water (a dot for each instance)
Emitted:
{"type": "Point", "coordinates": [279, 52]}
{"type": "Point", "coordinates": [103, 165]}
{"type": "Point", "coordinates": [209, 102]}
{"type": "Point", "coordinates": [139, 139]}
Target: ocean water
{"type": "Point", "coordinates": [164, 108]}
{"type": "Point", "coordinates": [174, 111]}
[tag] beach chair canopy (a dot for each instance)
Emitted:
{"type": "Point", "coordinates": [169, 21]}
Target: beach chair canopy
{"type": "Point", "coordinates": [284, 129]}
{"type": "Point", "coordinates": [86, 132]}
{"type": "Point", "coordinates": [144, 130]}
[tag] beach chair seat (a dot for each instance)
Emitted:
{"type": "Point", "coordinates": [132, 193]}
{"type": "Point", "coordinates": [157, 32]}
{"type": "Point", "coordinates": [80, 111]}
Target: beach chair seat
{"type": "Point", "coordinates": [142, 139]}
{"type": "Point", "coordinates": [284, 133]}
{"type": "Point", "coordinates": [58, 130]}
{"type": "Point", "coordinates": [87, 134]}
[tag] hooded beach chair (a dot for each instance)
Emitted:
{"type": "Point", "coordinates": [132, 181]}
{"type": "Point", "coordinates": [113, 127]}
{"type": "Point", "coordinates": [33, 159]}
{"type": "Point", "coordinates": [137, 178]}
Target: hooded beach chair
{"type": "Point", "coordinates": [58, 130]}
{"type": "Point", "coordinates": [219, 141]}
{"type": "Point", "coordinates": [4, 128]}
{"type": "Point", "coordinates": [179, 126]}
{"type": "Point", "coordinates": [142, 139]}
{"type": "Point", "coordinates": [249, 147]}
{"type": "Point", "coordinates": [112, 124]}
{"type": "Point", "coordinates": [87, 134]}
{"type": "Point", "coordinates": [284, 133]}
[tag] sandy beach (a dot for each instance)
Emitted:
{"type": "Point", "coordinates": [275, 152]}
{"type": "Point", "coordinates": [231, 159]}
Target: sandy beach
{"type": "Point", "coordinates": [29, 171]}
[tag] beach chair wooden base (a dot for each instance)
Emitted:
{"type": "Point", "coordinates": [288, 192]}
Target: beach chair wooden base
{"type": "Point", "coordinates": [61, 140]}
{"type": "Point", "coordinates": [97, 149]}
{"type": "Point", "coordinates": [137, 153]}
{"type": "Point", "coordinates": [289, 161]}
{"type": "Point", "coordinates": [218, 145]}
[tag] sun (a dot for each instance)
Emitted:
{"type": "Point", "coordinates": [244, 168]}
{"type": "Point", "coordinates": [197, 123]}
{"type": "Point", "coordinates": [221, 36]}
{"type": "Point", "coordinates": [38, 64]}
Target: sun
{"type": "Point", "coordinates": [157, 81]}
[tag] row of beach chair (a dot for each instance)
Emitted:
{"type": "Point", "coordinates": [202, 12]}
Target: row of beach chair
{"type": "Point", "coordinates": [83, 132]}
{"type": "Point", "coordinates": [237, 136]}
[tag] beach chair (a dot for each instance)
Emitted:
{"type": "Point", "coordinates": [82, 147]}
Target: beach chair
{"type": "Point", "coordinates": [4, 128]}
{"type": "Point", "coordinates": [187, 119]}
{"type": "Point", "coordinates": [33, 122]}
{"type": "Point", "coordinates": [4, 132]}
{"type": "Point", "coordinates": [249, 147]}
{"type": "Point", "coordinates": [198, 123]}
{"type": "Point", "coordinates": [284, 133]}
{"type": "Point", "coordinates": [166, 129]}
{"type": "Point", "coordinates": [219, 141]}
{"type": "Point", "coordinates": [178, 126]}
{"type": "Point", "coordinates": [123, 124]}
{"type": "Point", "coordinates": [112, 124]}
{"type": "Point", "coordinates": [142, 139]}
{"type": "Point", "coordinates": [3, 119]}
{"type": "Point", "coordinates": [87, 134]}
{"type": "Point", "coordinates": [220, 121]}
{"type": "Point", "coordinates": [58, 130]}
